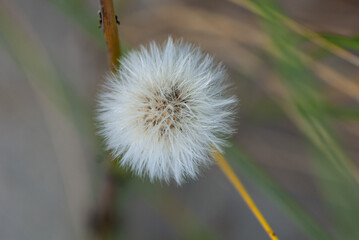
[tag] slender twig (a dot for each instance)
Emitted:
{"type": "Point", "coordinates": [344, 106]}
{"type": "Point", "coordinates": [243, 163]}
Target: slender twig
{"type": "Point", "coordinates": [236, 182]}
{"type": "Point", "coordinates": [104, 218]}
{"type": "Point", "coordinates": [109, 25]}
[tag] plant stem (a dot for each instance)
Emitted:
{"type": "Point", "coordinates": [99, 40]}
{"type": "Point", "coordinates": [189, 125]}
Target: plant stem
{"type": "Point", "coordinates": [109, 25]}
{"type": "Point", "coordinates": [104, 216]}
{"type": "Point", "coordinates": [236, 182]}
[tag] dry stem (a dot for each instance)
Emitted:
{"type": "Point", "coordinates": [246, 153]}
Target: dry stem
{"type": "Point", "coordinates": [236, 182]}
{"type": "Point", "coordinates": [109, 25]}
{"type": "Point", "coordinates": [103, 218]}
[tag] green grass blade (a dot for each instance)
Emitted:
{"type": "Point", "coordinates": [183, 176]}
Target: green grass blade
{"type": "Point", "coordinates": [307, 109]}
{"type": "Point", "coordinates": [342, 41]}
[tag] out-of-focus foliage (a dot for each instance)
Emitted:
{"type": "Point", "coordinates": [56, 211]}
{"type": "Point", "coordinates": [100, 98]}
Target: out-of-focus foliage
{"type": "Point", "coordinates": [299, 96]}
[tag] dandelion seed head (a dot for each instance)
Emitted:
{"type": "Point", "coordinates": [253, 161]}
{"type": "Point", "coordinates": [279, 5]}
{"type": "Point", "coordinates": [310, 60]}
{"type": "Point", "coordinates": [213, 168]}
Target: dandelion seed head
{"type": "Point", "coordinates": [165, 109]}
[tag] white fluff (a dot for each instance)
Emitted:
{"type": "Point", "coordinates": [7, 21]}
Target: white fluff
{"type": "Point", "coordinates": [165, 109]}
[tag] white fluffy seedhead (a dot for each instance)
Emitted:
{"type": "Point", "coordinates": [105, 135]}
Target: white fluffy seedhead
{"type": "Point", "coordinates": [165, 109]}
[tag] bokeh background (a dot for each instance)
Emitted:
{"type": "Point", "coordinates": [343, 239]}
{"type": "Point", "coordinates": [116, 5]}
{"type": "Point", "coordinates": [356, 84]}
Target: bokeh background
{"type": "Point", "coordinates": [295, 67]}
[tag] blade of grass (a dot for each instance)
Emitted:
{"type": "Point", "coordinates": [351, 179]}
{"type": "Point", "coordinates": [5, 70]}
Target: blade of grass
{"type": "Point", "coordinates": [269, 11]}
{"type": "Point", "coordinates": [343, 41]}
{"type": "Point", "coordinates": [302, 219]}
{"type": "Point", "coordinates": [306, 107]}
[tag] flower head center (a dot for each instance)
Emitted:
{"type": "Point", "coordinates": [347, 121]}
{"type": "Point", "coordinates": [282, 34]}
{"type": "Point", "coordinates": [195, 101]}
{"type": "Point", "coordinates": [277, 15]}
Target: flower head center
{"type": "Point", "coordinates": [165, 111]}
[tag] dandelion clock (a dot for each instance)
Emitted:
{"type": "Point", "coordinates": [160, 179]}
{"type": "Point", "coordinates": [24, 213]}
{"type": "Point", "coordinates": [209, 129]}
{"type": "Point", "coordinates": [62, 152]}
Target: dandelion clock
{"type": "Point", "coordinates": [165, 109]}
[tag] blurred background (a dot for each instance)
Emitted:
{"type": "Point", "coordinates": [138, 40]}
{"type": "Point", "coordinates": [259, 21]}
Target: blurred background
{"type": "Point", "coordinates": [295, 65]}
